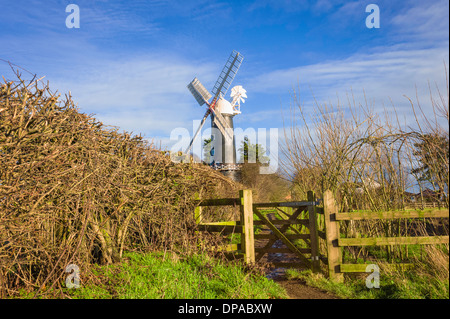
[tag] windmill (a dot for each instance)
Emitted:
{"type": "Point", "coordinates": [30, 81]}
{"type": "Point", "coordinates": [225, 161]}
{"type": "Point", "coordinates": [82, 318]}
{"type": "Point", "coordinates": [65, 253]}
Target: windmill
{"type": "Point", "coordinates": [222, 112]}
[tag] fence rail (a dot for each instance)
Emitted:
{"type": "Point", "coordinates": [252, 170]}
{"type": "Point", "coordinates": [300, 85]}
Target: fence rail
{"type": "Point", "coordinates": [335, 243]}
{"type": "Point", "coordinates": [391, 215]}
{"type": "Point", "coordinates": [423, 205]}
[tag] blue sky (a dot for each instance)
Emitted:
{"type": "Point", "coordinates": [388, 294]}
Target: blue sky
{"type": "Point", "coordinates": [130, 61]}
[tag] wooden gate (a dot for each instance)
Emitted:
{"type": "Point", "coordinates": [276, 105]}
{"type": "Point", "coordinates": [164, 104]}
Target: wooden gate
{"type": "Point", "coordinates": [290, 226]}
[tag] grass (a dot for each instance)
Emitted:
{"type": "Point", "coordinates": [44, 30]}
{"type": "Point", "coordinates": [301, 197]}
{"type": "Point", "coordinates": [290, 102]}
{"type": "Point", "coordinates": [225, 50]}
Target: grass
{"type": "Point", "coordinates": [158, 275]}
{"type": "Point", "coordinates": [406, 286]}
{"type": "Point", "coordinates": [428, 280]}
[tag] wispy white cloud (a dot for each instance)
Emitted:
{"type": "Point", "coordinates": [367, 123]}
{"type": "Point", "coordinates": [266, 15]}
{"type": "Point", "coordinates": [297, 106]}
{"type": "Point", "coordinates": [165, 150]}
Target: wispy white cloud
{"type": "Point", "coordinates": [415, 54]}
{"type": "Point", "coordinates": [424, 22]}
{"type": "Point", "coordinates": [140, 94]}
{"type": "Point", "coordinates": [385, 75]}
{"type": "Point", "coordinates": [100, 16]}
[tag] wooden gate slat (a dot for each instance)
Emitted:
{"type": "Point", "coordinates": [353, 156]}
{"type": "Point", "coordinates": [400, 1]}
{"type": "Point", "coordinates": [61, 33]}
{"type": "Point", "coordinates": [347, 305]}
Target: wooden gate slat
{"type": "Point", "coordinates": [283, 238]}
{"type": "Point", "coordinates": [282, 229]}
{"type": "Point", "coordinates": [288, 236]}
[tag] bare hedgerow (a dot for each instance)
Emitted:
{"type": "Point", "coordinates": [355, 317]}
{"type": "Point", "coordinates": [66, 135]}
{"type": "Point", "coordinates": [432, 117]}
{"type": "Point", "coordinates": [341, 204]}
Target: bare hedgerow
{"type": "Point", "coordinates": [73, 190]}
{"type": "Point", "coordinates": [369, 158]}
{"type": "Point", "coordinates": [372, 159]}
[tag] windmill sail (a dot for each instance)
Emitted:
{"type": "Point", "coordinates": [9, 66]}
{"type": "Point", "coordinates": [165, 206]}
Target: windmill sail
{"type": "Point", "coordinates": [221, 87]}
{"type": "Point", "coordinates": [222, 125]}
{"type": "Point", "coordinates": [227, 75]}
{"type": "Point", "coordinates": [198, 130]}
{"type": "Point", "coordinates": [199, 92]}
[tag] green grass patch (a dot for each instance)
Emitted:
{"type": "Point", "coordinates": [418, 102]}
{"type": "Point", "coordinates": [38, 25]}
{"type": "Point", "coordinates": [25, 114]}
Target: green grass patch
{"type": "Point", "coordinates": [157, 276]}
{"type": "Point", "coordinates": [394, 285]}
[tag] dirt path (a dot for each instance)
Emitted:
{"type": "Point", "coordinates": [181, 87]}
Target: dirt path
{"type": "Point", "coordinates": [296, 289]}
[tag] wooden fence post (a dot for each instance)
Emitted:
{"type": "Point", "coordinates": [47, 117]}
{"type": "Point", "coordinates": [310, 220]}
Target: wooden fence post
{"type": "Point", "coordinates": [332, 236]}
{"type": "Point", "coordinates": [247, 234]}
{"type": "Point", "coordinates": [198, 211]}
{"type": "Point", "coordinates": [314, 237]}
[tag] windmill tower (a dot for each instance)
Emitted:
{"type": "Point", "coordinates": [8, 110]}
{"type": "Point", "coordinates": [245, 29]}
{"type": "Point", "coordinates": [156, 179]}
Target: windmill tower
{"type": "Point", "coordinates": [223, 145]}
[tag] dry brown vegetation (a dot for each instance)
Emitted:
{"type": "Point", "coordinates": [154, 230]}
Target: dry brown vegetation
{"type": "Point", "coordinates": [266, 187]}
{"type": "Point", "coordinates": [372, 159]}
{"type": "Point", "coordinates": [73, 190]}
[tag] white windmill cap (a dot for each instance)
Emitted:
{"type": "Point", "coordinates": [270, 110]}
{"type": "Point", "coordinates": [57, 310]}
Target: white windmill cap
{"type": "Point", "coordinates": [224, 107]}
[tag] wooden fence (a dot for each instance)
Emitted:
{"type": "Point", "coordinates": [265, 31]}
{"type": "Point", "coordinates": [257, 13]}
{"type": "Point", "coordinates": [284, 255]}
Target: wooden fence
{"type": "Point", "coordinates": [244, 226]}
{"type": "Point", "coordinates": [420, 205]}
{"type": "Point", "coordinates": [323, 223]}
{"type": "Point", "coordinates": [335, 243]}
